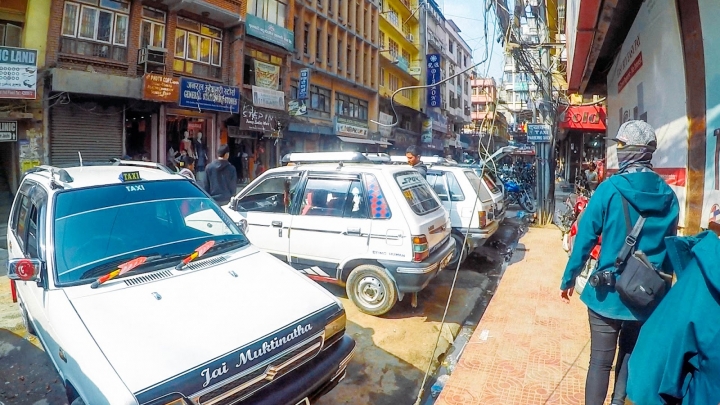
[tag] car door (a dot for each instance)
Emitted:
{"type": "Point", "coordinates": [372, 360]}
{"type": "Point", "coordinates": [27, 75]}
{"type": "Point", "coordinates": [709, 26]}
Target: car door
{"type": "Point", "coordinates": [438, 182]}
{"type": "Point", "coordinates": [331, 225]}
{"type": "Point", "coordinates": [267, 206]}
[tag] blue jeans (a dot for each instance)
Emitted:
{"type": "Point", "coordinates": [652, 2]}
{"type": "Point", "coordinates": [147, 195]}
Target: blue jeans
{"type": "Point", "coordinates": [606, 336]}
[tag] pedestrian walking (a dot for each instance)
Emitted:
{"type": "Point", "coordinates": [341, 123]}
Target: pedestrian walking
{"type": "Point", "coordinates": [617, 203]}
{"type": "Point", "coordinates": [413, 157]}
{"type": "Point", "coordinates": [592, 176]}
{"type": "Point", "coordinates": [677, 356]}
{"type": "Point", "coordinates": [188, 167]}
{"type": "Point", "coordinates": [221, 177]}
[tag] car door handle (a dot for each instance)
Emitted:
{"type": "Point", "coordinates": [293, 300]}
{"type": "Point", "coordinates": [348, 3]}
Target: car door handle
{"type": "Point", "coordinates": [353, 231]}
{"type": "Point", "coordinates": [277, 224]}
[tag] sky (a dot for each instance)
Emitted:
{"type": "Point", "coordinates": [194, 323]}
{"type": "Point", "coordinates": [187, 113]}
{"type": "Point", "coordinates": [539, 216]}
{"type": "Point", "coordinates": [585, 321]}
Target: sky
{"type": "Point", "coordinates": [472, 30]}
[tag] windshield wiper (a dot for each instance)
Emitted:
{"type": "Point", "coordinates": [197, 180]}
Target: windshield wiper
{"type": "Point", "coordinates": [121, 269]}
{"type": "Point", "coordinates": [201, 250]}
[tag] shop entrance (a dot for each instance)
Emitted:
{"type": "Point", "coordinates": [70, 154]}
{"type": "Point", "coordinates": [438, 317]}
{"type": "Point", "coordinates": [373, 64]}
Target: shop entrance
{"type": "Point", "coordinates": [138, 136]}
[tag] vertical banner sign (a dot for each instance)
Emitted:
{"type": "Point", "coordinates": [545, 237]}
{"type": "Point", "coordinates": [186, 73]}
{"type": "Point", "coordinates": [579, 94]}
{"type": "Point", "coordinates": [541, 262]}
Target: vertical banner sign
{"type": "Point", "coordinates": [303, 84]}
{"type": "Point", "coordinates": [267, 75]}
{"type": "Point", "coordinates": [433, 76]}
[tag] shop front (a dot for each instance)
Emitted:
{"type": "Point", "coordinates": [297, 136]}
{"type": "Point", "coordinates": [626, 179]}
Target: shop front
{"type": "Point", "coordinates": [582, 132]}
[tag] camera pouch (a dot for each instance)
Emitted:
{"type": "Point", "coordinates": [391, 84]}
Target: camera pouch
{"type": "Point", "coordinates": [640, 285]}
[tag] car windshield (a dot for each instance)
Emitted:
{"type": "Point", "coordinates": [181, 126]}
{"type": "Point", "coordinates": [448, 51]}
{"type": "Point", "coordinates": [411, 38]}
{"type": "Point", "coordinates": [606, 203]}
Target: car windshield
{"type": "Point", "coordinates": [103, 226]}
{"type": "Point", "coordinates": [417, 192]}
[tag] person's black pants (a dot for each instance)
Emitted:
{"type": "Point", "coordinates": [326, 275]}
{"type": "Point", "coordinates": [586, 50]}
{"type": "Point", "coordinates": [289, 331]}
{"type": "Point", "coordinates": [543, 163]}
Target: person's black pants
{"type": "Point", "coordinates": [607, 335]}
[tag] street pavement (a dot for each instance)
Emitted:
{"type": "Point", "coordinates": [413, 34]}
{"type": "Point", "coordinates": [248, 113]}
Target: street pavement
{"type": "Point", "coordinates": [529, 347]}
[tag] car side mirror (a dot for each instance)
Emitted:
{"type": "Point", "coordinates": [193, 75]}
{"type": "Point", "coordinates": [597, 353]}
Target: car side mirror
{"type": "Point", "coordinates": [24, 269]}
{"type": "Point", "coordinates": [243, 225]}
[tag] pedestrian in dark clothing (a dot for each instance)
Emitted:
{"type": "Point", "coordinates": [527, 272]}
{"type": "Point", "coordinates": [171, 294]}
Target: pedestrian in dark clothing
{"type": "Point", "coordinates": [413, 157]}
{"type": "Point", "coordinates": [613, 324]}
{"type": "Point", "coordinates": [221, 177]}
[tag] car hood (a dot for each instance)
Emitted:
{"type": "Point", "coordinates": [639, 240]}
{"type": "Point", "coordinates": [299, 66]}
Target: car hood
{"type": "Point", "coordinates": [179, 326]}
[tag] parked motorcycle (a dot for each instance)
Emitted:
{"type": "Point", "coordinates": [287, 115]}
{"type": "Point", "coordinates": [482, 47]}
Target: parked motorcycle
{"type": "Point", "coordinates": [516, 193]}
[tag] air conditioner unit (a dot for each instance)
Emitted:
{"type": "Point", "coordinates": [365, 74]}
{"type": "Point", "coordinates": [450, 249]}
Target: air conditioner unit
{"type": "Point", "coordinates": [151, 56]}
{"type": "Point", "coordinates": [410, 38]}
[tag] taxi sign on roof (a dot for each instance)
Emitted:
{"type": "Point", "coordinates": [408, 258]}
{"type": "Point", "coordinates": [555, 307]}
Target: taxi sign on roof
{"type": "Point", "coordinates": [130, 176]}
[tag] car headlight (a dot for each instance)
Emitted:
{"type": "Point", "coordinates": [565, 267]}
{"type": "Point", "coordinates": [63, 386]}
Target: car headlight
{"type": "Point", "coordinates": [336, 324]}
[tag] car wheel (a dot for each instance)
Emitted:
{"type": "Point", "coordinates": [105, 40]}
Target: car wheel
{"type": "Point", "coordinates": [26, 321]}
{"type": "Point", "coordinates": [459, 239]}
{"type": "Point", "coordinates": [371, 289]}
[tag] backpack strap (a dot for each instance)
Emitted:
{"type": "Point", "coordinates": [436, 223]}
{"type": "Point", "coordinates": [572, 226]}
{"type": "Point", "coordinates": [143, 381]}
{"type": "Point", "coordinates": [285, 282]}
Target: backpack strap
{"type": "Point", "coordinates": [631, 238]}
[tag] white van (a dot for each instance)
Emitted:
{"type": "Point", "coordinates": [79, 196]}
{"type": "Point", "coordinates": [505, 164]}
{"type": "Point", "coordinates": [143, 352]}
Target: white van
{"type": "Point", "coordinates": [379, 230]}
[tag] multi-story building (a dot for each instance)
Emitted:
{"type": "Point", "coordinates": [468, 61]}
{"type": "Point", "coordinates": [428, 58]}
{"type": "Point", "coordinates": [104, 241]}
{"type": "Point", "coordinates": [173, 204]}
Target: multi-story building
{"type": "Point", "coordinates": [435, 127]}
{"type": "Point", "coordinates": [142, 79]}
{"type": "Point", "coordinates": [459, 58]}
{"type": "Point", "coordinates": [400, 59]}
{"type": "Point", "coordinates": [23, 36]}
{"type": "Point", "coordinates": [487, 124]}
{"type": "Point", "coordinates": [335, 76]}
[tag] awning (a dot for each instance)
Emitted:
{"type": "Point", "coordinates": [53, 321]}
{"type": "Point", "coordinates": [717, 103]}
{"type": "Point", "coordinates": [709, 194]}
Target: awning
{"type": "Point", "coordinates": [363, 141]}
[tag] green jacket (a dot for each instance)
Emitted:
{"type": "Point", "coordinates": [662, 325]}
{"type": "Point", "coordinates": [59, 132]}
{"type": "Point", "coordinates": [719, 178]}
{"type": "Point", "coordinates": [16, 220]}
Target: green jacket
{"type": "Point", "coordinates": [646, 193]}
{"type": "Point", "coordinates": [677, 356]}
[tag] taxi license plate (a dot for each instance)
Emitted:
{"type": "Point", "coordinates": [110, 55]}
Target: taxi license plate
{"type": "Point", "coordinates": [304, 402]}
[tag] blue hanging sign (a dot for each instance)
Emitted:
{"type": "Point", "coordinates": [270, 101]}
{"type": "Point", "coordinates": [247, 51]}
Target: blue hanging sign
{"type": "Point", "coordinates": [303, 84]}
{"type": "Point", "coordinates": [434, 98]}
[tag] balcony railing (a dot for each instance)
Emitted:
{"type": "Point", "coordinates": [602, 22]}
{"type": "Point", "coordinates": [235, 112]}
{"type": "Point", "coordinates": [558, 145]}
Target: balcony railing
{"type": "Point", "coordinates": [93, 49]}
{"type": "Point", "coordinates": [197, 69]}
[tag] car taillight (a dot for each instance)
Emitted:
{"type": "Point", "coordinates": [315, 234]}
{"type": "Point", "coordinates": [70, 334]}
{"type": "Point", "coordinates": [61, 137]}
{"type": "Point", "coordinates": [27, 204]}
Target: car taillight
{"type": "Point", "coordinates": [420, 248]}
{"type": "Point", "coordinates": [482, 218]}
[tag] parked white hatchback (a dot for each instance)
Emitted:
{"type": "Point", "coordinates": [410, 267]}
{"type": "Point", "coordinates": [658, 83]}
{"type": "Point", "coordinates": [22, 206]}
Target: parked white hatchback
{"type": "Point", "coordinates": [142, 290]}
{"type": "Point", "coordinates": [379, 230]}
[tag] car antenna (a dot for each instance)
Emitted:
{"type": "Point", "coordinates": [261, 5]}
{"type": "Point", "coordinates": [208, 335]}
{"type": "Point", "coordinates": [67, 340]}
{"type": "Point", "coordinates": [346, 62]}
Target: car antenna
{"type": "Point", "coordinates": [80, 156]}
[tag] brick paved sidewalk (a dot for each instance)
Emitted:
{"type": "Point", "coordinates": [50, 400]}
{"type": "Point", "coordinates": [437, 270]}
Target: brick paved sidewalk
{"type": "Point", "coordinates": [530, 347]}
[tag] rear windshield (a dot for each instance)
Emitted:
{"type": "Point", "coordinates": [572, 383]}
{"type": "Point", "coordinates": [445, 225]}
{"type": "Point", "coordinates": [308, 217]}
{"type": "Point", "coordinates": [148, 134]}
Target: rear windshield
{"type": "Point", "coordinates": [417, 192]}
{"type": "Point", "coordinates": [476, 183]}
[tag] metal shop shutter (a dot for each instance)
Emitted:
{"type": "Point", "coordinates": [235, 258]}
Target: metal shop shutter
{"type": "Point", "coordinates": [90, 129]}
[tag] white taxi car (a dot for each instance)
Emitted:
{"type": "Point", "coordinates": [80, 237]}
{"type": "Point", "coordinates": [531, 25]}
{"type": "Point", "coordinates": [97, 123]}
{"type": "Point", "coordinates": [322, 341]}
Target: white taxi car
{"type": "Point", "coordinates": [379, 230]}
{"type": "Point", "coordinates": [143, 291]}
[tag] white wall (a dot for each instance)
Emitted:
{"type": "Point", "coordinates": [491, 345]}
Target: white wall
{"type": "Point", "coordinates": [709, 10]}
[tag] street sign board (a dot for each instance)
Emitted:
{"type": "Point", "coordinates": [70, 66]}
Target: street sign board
{"type": "Point", "coordinates": [538, 133]}
{"type": "Point", "coordinates": [18, 73]}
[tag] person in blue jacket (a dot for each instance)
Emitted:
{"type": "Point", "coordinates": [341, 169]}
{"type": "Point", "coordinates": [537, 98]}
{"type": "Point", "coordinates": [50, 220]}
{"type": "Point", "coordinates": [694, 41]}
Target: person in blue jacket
{"type": "Point", "coordinates": [612, 324]}
{"type": "Point", "coordinates": [677, 357]}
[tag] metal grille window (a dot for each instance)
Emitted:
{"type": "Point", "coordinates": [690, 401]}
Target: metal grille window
{"type": "Point", "coordinates": [393, 47]}
{"type": "Point", "coordinates": [96, 28]}
{"type": "Point", "coordinates": [351, 107]}
{"type": "Point", "coordinates": [198, 48]}
{"type": "Point", "coordinates": [152, 28]}
{"type": "Point", "coordinates": [269, 10]}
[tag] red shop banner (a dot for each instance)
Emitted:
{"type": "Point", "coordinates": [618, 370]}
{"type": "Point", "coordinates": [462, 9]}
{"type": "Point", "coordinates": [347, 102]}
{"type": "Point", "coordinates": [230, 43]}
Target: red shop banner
{"type": "Point", "coordinates": [585, 118]}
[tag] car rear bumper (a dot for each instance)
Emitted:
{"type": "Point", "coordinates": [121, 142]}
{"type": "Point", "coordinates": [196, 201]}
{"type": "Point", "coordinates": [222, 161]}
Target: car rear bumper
{"type": "Point", "coordinates": [311, 380]}
{"type": "Point", "coordinates": [476, 237]}
{"type": "Point", "coordinates": [412, 277]}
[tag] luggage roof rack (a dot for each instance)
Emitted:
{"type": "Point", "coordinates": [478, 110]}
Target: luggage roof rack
{"type": "Point", "coordinates": [57, 176]}
{"type": "Point", "coordinates": [325, 157]}
{"type": "Point", "coordinates": [140, 163]}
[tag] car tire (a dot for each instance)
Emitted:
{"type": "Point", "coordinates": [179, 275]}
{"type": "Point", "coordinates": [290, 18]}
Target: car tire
{"type": "Point", "coordinates": [371, 289]}
{"type": "Point", "coordinates": [459, 239]}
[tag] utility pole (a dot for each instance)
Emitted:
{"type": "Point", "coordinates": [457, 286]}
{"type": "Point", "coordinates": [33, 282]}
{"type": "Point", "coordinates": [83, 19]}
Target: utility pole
{"type": "Point", "coordinates": [545, 150]}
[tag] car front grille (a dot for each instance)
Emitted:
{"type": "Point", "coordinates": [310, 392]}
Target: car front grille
{"type": "Point", "coordinates": [239, 388]}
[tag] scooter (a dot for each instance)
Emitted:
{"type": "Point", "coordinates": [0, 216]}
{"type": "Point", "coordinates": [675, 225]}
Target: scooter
{"type": "Point", "coordinates": [569, 239]}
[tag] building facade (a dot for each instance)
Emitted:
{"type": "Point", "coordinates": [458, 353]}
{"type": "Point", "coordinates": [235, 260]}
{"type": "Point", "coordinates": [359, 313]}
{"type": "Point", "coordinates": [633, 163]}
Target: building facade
{"type": "Point", "coordinates": [457, 90]}
{"type": "Point", "coordinates": [488, 126]}
{"type": "Point", "coordinates": [23, 37]}
{"type": "Point", "coordinates": [400, 59]}
{"type": "Point", "coordinates": [334, 77]}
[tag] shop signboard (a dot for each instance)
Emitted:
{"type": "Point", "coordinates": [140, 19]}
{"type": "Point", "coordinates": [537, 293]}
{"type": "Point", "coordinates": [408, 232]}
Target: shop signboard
{"type": "Point", "coordinates": [351, 128]}
{"type": "Point", "coordinates": [434, 98]}
{"type": "Point", "coordinates": [267, 98]}
{"type": "Point", "coordinates": [439, 121]}
{"type": "Point", "coordinates": [297, 108]}
{"type": "Point", "coordinates": [539, 133]}
{"type": "Point", "coordinates": [267, 31]}
{"type": "Point", "coordinates": [304, 84]}
{"type": "Point", "coordinates": [255, 119]}
{"type": "Point", "coordinates": [199, 95]}
{"type": "Point", "coordinates": [267, 75]}
{"type": "Point", "coordinates": [18, 73]}
{"type": "Point", "coordinates": [8, 131]}
{"type": "Point", "coordinates": [427, 128]}
{"type": "Point", "coordinates": [585, 118]}
{"type": "Point", "coordinates": [161, 88]}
